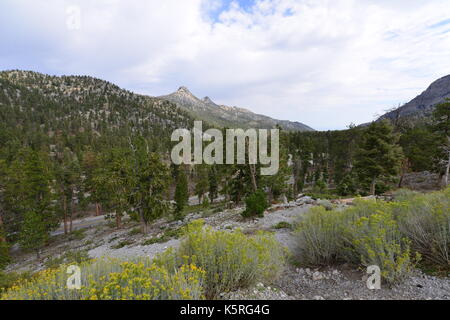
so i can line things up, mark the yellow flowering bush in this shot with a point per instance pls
(113, 280)
(376, 240)
(231, 260)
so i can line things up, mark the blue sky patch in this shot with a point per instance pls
(246, 5)
(440, 24)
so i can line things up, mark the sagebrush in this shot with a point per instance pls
(231, 260)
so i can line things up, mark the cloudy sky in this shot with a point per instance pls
(326, 63)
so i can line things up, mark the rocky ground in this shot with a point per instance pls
(346, 284)
(342, 283)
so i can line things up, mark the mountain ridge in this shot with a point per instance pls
(227, 116)
(422, 105)
(80, 87)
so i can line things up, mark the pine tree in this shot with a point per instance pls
(238, 184)
(34, 232)
(4, 247)
(148, 180)
(378, 154)
(110, 183)
(29, 198)
(90, 163)
(213, 183)
(201, 183)
(419, 145)
(181, 192)
(70, 186)
(277, 183)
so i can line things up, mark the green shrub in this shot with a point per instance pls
(219, 209)
(283, 225)
(425, 220)
(168, 234)
(77, 234)
(122, 244)
(206, 203)
(54, 262)
(319, 237)
(326, 204)
(113, 280)
(4, 254)
(404, 195)
(150, 241)
(231, 259)
(348, 185)
(255, 204)
(8, 279)
(76, 256)
(135, 231)
(69, 257)
(365, 234)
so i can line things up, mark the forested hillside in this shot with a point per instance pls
(55, 132)
(79, 111)
(347, 161)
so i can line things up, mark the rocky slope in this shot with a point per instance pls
(224, 116)
(422, 106)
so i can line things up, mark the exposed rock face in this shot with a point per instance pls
(421, 181)
(423, 105)
(224, 116)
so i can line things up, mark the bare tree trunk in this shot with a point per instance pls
(65, 215)
(118, 220)
(144, 228)
(253, 176)
(405, 167)
(447, 171)
(144, 225)
(372, 186)
(71, 216)
(2, 238)
(97, 209)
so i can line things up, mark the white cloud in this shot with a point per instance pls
(324, 63)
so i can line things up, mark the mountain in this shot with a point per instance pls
(79, 111)
(422, 106)
(225, 116)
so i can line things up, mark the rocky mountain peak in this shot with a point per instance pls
(207, 100)
(225, 116)
(184, 90)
